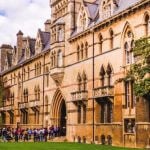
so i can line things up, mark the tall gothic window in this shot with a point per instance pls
(38, 93)
(52, 59)
(129, 95)
(60, 34)
(79, 113)
(147, 24)
(79, 80)
(28, 72)
(81, 51)
(109, 75)
(46, 104)
(47, 76)
(84, 81)
(111, 39)
(86, 49)
(128, 47)
(84, 113)
(35, 69)
(24, 73)
(24, 117)
(106, 112)
(11, 115)
(78, 53)
(35, 92)
(102, 76)
(25, 95)
(40, 68)
(100, 43)
(60, 58)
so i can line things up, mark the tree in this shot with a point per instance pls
(140, 70)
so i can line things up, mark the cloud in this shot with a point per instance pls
(24, 15)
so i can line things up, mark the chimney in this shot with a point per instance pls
(19, 39)
(47, 25)
(19, 44)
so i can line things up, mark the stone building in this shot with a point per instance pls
(68, 75)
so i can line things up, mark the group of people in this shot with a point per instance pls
(36, 134)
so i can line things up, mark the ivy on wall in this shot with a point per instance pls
(140, 70)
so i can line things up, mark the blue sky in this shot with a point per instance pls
(24, 15)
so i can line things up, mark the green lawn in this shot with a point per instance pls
(55, 146)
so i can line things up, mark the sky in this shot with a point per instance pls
(25, 15)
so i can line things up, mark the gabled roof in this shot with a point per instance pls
(124, 4)
(45, 36)
(32, 46)
(92, 8)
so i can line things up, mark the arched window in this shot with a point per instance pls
(79, 114)
(79, 80)
(111, 39)
(47, 76)
(35, 92)
(109, 75)
(19, 77)
(46, 104)
(128, 47)
(12, 98)
(14, 78)
(81, 51)
(86, 49)
(24, 74)
(102, 76)
(78, 53)
(147, 24)
(100, 43)
(84, 113)
(60, 34)
(11, 78)
(38, 93)
(25, 95)
(60, 58)
(84, 79)
(54, 59)
(28, 72)
(35, 69)
(40, 68)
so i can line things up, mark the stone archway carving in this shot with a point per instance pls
(58, 110)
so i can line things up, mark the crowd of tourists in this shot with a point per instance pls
(36, 134)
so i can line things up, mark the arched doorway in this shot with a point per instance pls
(58, 113)
(63, 119)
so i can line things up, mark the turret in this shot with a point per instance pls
(19, 44)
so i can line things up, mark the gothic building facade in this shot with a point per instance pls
(68, 76)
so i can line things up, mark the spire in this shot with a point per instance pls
(20, 33)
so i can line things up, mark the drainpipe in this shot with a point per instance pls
(74, 21)
(93, 73)
(43, 88)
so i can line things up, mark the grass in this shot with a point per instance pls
(56, 146)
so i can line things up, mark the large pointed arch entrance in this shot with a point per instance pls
(58, 112)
